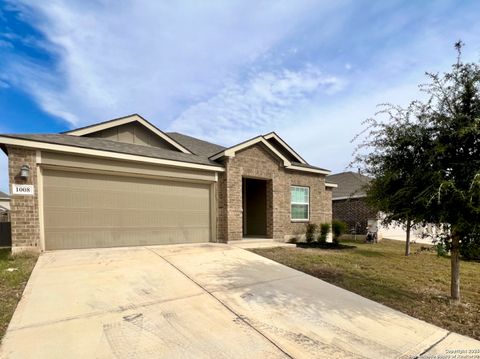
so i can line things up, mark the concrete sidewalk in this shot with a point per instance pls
(203, 301)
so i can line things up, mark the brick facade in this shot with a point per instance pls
(258, 162)
(253, 162)
(353, 211)
(24, 209)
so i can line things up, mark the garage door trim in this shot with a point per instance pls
(41, 195)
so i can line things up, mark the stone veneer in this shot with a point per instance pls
(258, 162)
(24, 209)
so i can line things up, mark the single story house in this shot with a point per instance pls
(124, 182)
(349, 205)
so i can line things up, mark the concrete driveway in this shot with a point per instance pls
(203, 301)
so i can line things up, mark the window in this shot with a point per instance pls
(300, 203)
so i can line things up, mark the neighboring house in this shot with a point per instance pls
(4, 200)
(124, 182)
(349, 205)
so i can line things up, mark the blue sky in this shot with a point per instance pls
(224, 70)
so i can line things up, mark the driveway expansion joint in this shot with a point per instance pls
(433, 345)
(239, 316)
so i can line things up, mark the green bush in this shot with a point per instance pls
(338, 228)
(310, 230)
(324, 229)
(441, 249)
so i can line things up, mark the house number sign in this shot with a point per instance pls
(23, 189)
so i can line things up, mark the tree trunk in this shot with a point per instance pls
(455, 268)
(407, 241)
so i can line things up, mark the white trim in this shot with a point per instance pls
(105, 154)
(230, 152)
(38, 157)
(123, 121)
(308, 169)
(284, 144)
(348, 197)
(41, 218)
(300, 203)
(331, 185)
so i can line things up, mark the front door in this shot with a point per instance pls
(254, 207)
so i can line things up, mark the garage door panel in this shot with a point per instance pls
(98, 238)
(84, 210)
(113, 218)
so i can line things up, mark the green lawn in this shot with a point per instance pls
(417, 285)
(12, 283)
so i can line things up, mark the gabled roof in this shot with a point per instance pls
(231, 151)
(187, 151)
(82, 131)
(350, 185)
(285, 146)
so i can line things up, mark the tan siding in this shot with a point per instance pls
(101, 164)
(132, 133)
(85, 210)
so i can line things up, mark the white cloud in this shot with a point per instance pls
(322, 132)
(145, 56)
(264, 101)
(226, 71)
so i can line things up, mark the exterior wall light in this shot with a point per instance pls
(25, 171)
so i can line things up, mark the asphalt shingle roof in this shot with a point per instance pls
(202, 150)
(199, 147)
(306, 165)
(350, 184)
(114, 146)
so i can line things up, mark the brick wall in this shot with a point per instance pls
(353, 211)
(253, 162)
(222, 224)
(24, 209)
(258, 162)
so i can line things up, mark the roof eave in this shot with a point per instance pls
(45, 145)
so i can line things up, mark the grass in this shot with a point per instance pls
(417, 285)
(12, 283)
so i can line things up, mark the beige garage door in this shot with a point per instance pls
(85, 210)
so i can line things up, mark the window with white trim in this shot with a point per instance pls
(299, 203)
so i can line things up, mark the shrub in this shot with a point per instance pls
(324, 229)
(310, 230)
(338, 228)
(441, 249)
(293, 239)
